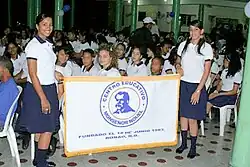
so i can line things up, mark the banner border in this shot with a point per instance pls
(119, 79)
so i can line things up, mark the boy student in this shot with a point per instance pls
(88, 68)
(156, 66)
(166, 47)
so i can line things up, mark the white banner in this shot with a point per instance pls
(109, 114)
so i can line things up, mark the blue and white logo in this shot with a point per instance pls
(123, 103)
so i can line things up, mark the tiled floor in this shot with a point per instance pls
(213, 151)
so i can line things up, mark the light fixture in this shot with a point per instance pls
(129, 1)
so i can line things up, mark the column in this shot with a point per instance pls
(241, 148)
(58, 20)
(30, 14)
(201, 13)
(9, 13)
(118, 15)
(134, 15)
(72, 14)
(37, 8)
(175, 21)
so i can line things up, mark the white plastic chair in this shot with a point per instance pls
(9, 131)
(225, 114)
(60, 132)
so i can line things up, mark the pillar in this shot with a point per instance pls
(58, 20)
(37, 8)
(134, 15)
(30, 14)
(241, 148)
(9, 13)
(118, 15)
(201, 14)
(175, 21)
(72, 14)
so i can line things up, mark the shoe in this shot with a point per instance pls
(52, 146)
(181, 149)
(51, 164)
(191, 155)
(25, 142)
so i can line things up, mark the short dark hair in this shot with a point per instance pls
(160, 59)
(5, 62)
(90, 51)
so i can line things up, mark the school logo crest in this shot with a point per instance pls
(123, 103)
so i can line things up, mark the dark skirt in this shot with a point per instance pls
(32, 119)
(221, 101)
(187, 110)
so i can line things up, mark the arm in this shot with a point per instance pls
(218, 88)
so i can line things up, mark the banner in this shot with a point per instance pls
(110, 114)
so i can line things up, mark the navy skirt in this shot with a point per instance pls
(31, 117)
(187, 110)
(221, 101)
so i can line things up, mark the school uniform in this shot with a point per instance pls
(122, 64)
(2, 49)
(167, 66)
(32, 119)
(91, 71)
(19, 64)
(227, 85)
(109, 72)
(193, 66)
(65, 69)
(76, 69)
(137, 69)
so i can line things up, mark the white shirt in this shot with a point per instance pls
(137, 70)
(78, 46)
(122, 64)
(110, 39)
(168, 66)
(66, 71)
(94, 46)
(42, 51)
(228, 82)
(76, 69)
(192, 62)
(93, 71)
(113, 72)
(242, 66)
(20, 64)
(2, 49)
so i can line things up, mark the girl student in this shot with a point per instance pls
(122, 62)
(88, 68)
(137, 67)
(67, 61)
(196, 56)
(171, 61)
(230, 80)
(108, 62)
(42, 117)
(14, 53)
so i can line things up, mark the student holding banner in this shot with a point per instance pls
(40, 113)
(196, 56)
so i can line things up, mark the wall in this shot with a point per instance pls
(234, 10)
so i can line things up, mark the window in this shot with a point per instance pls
(186, 19)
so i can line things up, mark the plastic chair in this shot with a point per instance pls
(225, 114)
(9, 131)
(60, 132)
